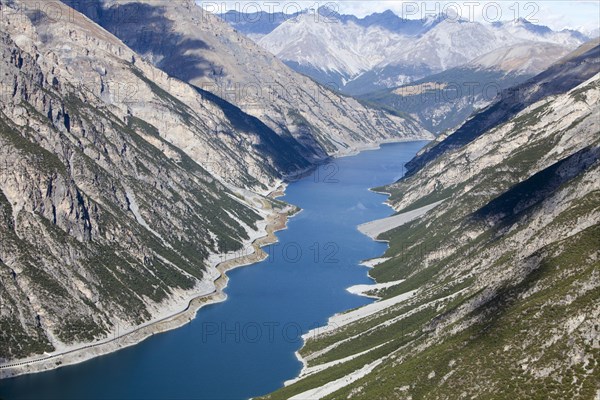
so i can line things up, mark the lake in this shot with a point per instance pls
(245, 346)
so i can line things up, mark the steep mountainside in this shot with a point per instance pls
(521, 59)
(563, 76)
(494, 293)
(195, 46)
(444, 101)
(118, 184)
(361, 58)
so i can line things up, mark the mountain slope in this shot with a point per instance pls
(257, 24)
(494, 292)
(522, 58)
(114, 200)
(561, 77)
(445, 100)
(198, 47)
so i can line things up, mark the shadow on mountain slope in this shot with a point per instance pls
(146, 29)
(513, 203)
(563, 76)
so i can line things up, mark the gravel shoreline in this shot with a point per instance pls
(276, 221)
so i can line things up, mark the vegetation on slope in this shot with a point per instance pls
(506, 271)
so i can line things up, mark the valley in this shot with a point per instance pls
(324, 203)
(253, 338)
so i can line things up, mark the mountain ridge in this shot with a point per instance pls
(201, 49)
(568, 72)
(342, 49)
(444, 101)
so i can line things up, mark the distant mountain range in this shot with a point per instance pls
(361, 55)
(264, 23)
(444, 100)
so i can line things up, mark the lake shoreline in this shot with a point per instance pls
(358, 290)
(186, 310)
(276, 221)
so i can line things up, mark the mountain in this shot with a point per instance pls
(336, 47)
(358, 57)
(521, 59)
(338, 53)
(443, 101)
(387, 20)
(492, 291)
(569, 72)
(593, 33)
(199, 48)
(108, 218)
(257, 24)
(523, 29)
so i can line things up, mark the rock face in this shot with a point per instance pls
(195, 46)
(494, 291)
(119, 184)
(108, 216)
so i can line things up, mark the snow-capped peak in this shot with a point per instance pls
(326, 41)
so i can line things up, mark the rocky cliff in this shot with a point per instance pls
(109, 212)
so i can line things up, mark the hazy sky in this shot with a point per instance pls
(555, 14)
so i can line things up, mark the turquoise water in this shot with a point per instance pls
(244, 347)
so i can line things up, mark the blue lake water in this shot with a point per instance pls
(245, 346)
